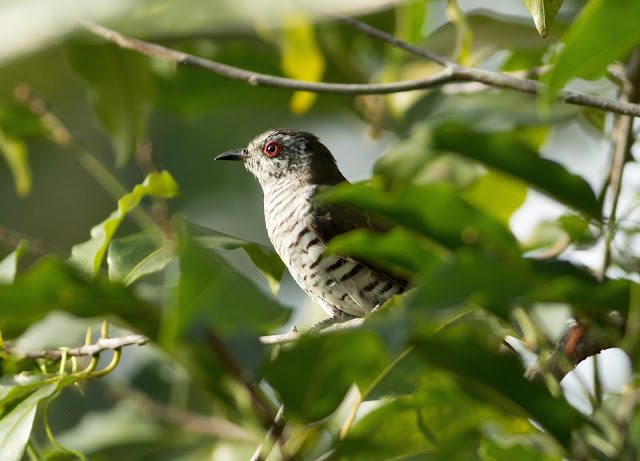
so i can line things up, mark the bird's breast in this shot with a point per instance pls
(338, 284)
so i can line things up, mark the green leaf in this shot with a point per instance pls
(15, 153)
(604, 32)
(88, 255)
(325, 367)
(301, 59)
(264, 258)
(213, 295)
(506, 152)
(15, 425)
(433, 210)
(54, 285)
(498, 379)
(121, 89)
(498, 194)
(472, 278)
(400, 249)
(134, 256)
(543, 13)
(131, 257)
(9, 265)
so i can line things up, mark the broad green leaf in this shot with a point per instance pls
(134, 256)
(325, 367)
(469, 279)
(131, 257)
(302, 59)
(433, 210)
(399, 248)
(464, 35)
(54, 285)
(543, 13)
(604, 31)
(496, 193)
(498, 379)
(506, 152)
(15, 426)
(15, 153)
(9, 265)
(264, 258)
(121, 89)
(213, 295)
(88, 255)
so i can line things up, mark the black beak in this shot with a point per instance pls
(238, 155)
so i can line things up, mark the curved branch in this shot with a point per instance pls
(294, 335)
(101, 345)
(451, 73)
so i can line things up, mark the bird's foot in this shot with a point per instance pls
(337, 318)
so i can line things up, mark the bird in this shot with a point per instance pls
(293, 167)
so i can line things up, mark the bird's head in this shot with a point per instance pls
(289, 155)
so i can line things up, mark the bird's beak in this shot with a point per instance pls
(238, 155)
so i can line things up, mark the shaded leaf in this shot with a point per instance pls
(9, 265)
(603, 32)
(15, 425)
(433, 210)
(212, 295)
(505, 152)
(121, 89)
(543, 13)
(15, 153)
(399, 249)
(313, 376)
(54, 285)
(88, 255)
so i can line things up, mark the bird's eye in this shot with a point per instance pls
(272, 148)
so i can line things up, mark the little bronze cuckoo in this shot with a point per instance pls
(293, 167)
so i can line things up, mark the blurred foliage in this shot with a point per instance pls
(90, 131)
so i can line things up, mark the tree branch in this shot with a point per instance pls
(101, 345)
(294, 335)
(451, 73)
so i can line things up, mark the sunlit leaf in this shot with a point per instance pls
(543, 13)
(9, 264)
(121, 89)
(15, 426)
(497, 194)
(88, 255)
(506, 152)
(15, 153)
(498, 379)
(301, 59)
(603, 32)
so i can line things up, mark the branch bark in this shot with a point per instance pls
(101, 345)
(452, 72)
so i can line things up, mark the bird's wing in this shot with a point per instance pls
(330, 220)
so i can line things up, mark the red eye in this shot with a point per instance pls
(272, 148)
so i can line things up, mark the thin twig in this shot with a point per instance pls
(294, 335)
(275, 425)
(187, 420)
(623, 142)
(101, 345)
(451, 73)
(264, 449)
